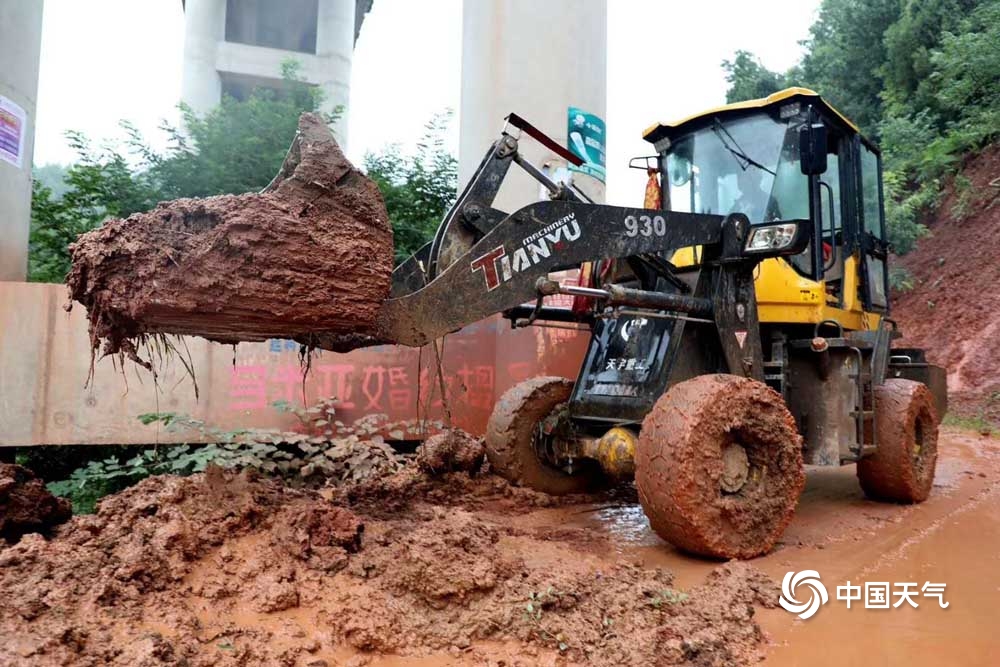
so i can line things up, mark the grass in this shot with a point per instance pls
(667, 596)
(977, 423)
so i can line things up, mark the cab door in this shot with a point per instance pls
(872, 243)
(834, 216)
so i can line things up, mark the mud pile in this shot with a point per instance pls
(953, 309)
(451, 451)
(227, 569)
(26, 506)
(310, 254)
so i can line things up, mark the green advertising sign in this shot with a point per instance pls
(586, 138)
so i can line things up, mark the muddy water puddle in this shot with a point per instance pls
(622, 532)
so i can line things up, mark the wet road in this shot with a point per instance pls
(952, 538)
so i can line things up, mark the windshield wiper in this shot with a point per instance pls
(733, 147)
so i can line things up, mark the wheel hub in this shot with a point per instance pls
(735, 467)
(918, 441)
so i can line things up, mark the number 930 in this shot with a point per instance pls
(645, 225)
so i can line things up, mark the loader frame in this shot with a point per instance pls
(668, 324)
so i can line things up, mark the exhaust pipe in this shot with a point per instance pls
(821, 347)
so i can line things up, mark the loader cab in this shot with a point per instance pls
(785, 157)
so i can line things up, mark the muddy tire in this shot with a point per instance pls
(719, 466)
(510, 436)
(906, 431)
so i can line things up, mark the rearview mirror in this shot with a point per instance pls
(679, 170)
(812, 149)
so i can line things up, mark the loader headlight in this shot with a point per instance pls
(771, 237)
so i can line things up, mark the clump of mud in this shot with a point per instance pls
(410, 486)
(451, 451)
(311, 254)
(26, 506)
(233, 569)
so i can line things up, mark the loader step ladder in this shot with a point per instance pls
(868, 376)
(864, 408)
(776, 369)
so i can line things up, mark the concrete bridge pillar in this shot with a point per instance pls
(20, 45)
(536, 59)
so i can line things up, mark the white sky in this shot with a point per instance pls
(106, 60)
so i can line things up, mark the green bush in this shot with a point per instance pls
(905, 140)
(418, 190)
(904, 211)
(325, 448)
(900, 279)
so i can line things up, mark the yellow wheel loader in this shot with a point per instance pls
(739, 323)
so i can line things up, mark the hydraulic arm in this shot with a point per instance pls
(501, 270)
(484, 261)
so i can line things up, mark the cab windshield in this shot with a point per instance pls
(748, 165)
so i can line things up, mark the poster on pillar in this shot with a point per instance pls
(586, 134)
(13, 120)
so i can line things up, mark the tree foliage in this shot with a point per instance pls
(920, 76)
(909, 45)
(417, 189)
(100, 185)
(844, 56)
(236, 147)
(53, 176)
(748, 78)
(966, 78)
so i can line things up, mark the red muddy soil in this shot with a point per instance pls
(26, 506)
(227, 569)
(310, 254)
(408, 570)
(954, 308)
